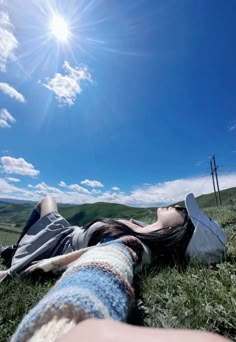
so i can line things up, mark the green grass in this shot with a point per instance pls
(17, 296)
(195, 297)
(7, 238)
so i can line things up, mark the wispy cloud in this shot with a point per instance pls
(74, 187)
(6, 118)
(44, 189)
(8, 42)
(12, 92)
(12, 179)
(199, 163)
(232, 126)
(78, 188)
(115, 188)
(6, 188)
(62, 184)
(92, 183)
(18, 166)
(68, 86)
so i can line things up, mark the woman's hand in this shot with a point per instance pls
(45, 265)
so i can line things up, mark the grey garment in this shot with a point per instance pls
(81, 237)
(49, 236)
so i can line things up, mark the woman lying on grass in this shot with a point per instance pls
(177, 235)
(98, 279)
(92, 298)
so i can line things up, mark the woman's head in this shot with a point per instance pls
(167, 244)
(171, 216)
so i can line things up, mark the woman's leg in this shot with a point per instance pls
(8, 252)
(45, 206)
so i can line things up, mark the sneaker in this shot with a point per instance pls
(7, 253)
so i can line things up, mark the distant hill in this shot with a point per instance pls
(14, 201)
(85, 213)
(17, 214)
(228, 197)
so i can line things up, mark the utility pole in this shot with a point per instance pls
(217, 183)
(214, 168)
(213, 181)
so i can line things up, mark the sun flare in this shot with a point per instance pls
(59, 28)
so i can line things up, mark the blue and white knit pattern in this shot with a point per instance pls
(97, 285)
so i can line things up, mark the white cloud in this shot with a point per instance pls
(62, 184)
(96, 192)
(232, 127)
(75, 187)
(6, 188)
(5, 115)
(18, 166)
(12, 179)
(6, 118)
(115, 188)
(78, 188)
(174, 191)
(153, 195)
(44, 189)
(12, 92)
(92, 183)
(67, 87)
(11, 191)
(4, 124)
(8, 42)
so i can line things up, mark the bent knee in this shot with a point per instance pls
(47, 198)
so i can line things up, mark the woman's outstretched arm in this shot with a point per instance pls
(104, 330)
(54, 263)
(99, 284)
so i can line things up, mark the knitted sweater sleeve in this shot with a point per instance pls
(96, 285)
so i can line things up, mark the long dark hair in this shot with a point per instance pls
(167, 245)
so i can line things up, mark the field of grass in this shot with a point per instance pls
(193, 297)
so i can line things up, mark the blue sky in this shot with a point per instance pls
(128, 108)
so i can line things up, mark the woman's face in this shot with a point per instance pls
(170, 217)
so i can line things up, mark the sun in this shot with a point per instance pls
(59, 28)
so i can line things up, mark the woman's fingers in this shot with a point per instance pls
(30, 269)
(35, 265)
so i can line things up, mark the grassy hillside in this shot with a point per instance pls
(228, 198)
(87, 212)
